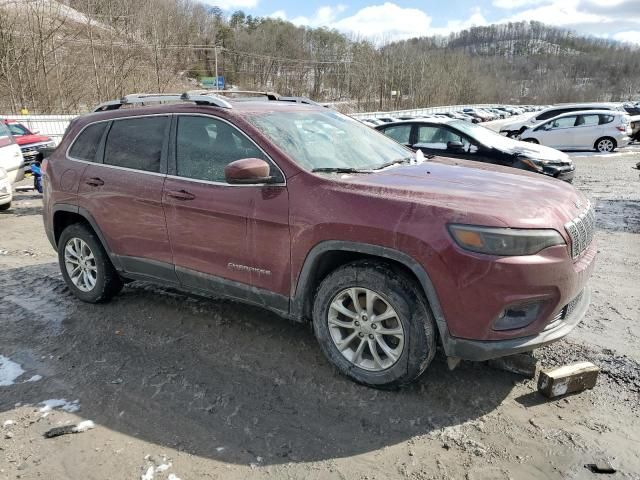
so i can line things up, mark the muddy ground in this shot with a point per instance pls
(187, 387)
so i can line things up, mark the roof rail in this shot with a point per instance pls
(198, 97)
(304, 100)
(269, 95)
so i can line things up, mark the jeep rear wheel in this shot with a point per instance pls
(373, 324)
(85, 265)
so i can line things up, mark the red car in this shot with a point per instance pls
(313, 215)
(30, 143)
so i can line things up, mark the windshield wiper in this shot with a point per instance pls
(339, 170)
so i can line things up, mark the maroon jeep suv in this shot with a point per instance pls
(319, 218)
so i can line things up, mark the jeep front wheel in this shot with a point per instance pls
(373, 324)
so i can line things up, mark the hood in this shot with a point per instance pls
(524, 119)
(535, 151)
(478, 193)
(24, 140)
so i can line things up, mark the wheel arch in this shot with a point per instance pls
(328, 255)
(65, 215)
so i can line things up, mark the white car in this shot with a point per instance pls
(602, 130)
(6, 194)
(517, 126)
(10, 156)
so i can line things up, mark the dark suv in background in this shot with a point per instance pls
(315, 216)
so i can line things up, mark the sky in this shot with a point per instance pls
(382, 20)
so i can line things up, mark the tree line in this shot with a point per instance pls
(67, 56)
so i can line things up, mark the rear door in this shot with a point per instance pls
(586, 131)
(225, 235)
(122, 191)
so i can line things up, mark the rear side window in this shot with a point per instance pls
(86, 145)
(5, 136)
(587, 120)
(136, 143)
(604, 119)
(400, 133)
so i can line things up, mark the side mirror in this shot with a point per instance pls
(455, 146)
(246, 171)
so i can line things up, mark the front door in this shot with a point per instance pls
(559, 133)
(224, 237)
(122, 190)
(440, 140)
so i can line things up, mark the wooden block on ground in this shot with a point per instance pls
(524, 364)
(568, 379)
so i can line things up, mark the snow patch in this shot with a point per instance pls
(61, 403)
(148, 475)
(8, 423)
(9, 371)
(84, 426)
(172, 476)
(35, 378)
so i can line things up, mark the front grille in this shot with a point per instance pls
(581, 230)
(565, 313)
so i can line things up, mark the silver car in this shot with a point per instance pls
(602, 130)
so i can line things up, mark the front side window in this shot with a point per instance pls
(327, 139)
(438, 137)
(564, 122)
(136, 143)
(400, 133)
(205, 146)
(86, 145)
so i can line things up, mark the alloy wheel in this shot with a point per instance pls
(80, 264)
(605, 145)
(365, 329)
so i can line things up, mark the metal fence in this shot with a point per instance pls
(52, 126)
(416, 112)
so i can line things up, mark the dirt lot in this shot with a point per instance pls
(194, 388)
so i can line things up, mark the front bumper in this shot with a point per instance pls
(479, 350)
(565, 173)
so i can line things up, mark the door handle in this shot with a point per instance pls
(95, 182)
(180, 195)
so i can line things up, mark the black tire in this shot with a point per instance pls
(406, 298)
(6, 206)
(531, 140)
(108, 283)
(612, 140)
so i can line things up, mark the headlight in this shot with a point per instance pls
(534, 163)
(504, 241)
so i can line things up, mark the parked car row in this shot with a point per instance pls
(469, 114)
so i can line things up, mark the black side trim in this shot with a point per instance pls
(148, 269)
(64, 207)
(232, 289)
(312, 261)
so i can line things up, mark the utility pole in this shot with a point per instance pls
(215, 52)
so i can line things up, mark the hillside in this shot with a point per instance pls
(65, 56)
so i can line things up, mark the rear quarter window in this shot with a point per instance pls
(86, 144)
(604, 119)
(5, 136)
(136, 143)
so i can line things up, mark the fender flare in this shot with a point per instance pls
(65, 207)
(311, 262)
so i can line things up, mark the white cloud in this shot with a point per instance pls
(388, 21)
(232, 4)
(514, 4)
(632, 36)
(280, 14)
(559, 13)
(324, 16)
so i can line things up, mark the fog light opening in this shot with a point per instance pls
(517, 316)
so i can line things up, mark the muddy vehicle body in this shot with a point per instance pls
(313, 215)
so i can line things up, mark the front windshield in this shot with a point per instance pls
(325, 139)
